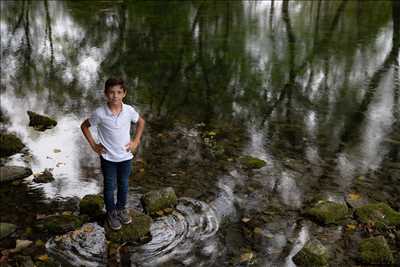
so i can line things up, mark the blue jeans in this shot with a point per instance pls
(115, 173)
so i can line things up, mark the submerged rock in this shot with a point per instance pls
(136, 231)
(12, 173)
(375, 250)
(355, 200)
(312, 254)
(9, 144)
(157, 200)
(380, 215)
(92, 205)
(58, 224)
(249, 162)
(85, 246)
(40, 122)
(44, 177)
(7, 229)
(327, 212)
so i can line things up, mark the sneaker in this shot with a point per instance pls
(124, 217)
(113, 221)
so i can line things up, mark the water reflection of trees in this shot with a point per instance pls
(195, 59)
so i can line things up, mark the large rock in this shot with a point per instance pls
(85, 246)
(92, 205)
(328, 212)
(136, 231)
(249, 162)
(12, 173)
(7, 229)
(375, 250)
(157, 200)
(380, 215)
(58, 224)
(44, 177)
(312, 254)
(40, 122)
(9, 144)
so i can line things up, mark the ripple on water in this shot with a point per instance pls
(182, 236)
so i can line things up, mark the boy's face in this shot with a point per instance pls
(115, 94)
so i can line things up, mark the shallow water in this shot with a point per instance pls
(314, 86)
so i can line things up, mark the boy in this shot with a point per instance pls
(113, 121)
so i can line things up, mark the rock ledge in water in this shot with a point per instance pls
(40, 122)
(380, 215)
(249, 162)
(44, 177)
(136, 231)
(312, 254)
(92, 205)
(327, 212)
(58, 224)
(375, 250)
(85, 246)
(6, 229)
(158, 200)
(9, 144)
(12, 173)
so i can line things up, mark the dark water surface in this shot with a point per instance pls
(312, 87)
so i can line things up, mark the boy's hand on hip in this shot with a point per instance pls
(99, 149)
(132, 146)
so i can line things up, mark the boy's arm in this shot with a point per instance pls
(98, 148)
(138, 135)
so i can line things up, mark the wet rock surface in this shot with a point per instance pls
(7, 229)
(249, 162)
(85, 246)
(158, 200)
(9, 144)
(328, 212)
(58, 224)
(44, 177)
(40, 122)
(92, 205)
(375, 250)
(12, 173)
(379, 215)
(135, 232)
(312, 254)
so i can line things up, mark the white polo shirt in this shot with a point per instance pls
(114, 131)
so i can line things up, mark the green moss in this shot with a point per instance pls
(157, 200)
(313, 254)
(250, 162)
(59, 224)
(9, 144)
(327, 212)
(92, 205)
(7, 229)
(134, 232)
(380, 215)
(40, 122)
(375, 250)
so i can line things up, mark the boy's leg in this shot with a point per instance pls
(109, 170)
(123, 173)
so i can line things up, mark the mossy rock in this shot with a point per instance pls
(249, 162)
(9, 144)
(375, 250)
(157, 200)
(380, 215)
(44, 177)
(7, 229)
(40, 122)
(137, 231)
(92, 205)
(59, 224)
(312, 254)
(12, 173)
(328, 212)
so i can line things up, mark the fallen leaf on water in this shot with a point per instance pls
(246, 220)
(67, 212)
(351, 227)
(248, 256)
(258, 231)
(168, 210)
(354, 196)
(160, 212)
(44, 257)
(56, 150)
(40, 216)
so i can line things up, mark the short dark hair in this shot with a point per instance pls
(113, 82)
